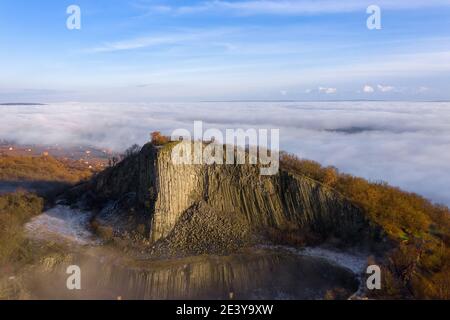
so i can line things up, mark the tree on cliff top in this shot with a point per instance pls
(158, 139)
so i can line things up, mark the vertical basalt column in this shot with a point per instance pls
(178, 187)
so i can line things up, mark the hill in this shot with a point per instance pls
(41, 168)
(200, 209)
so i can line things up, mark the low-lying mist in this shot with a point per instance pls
(404, 143)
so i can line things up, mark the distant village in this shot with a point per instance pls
(90, 157)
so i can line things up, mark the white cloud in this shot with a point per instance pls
(327, 90)
(368, 89)
(383, 88)
(178, 37)
(292, 7)
(418, 64)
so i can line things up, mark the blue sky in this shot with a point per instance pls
(224, 50)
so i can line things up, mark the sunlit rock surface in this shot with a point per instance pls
(161, 192)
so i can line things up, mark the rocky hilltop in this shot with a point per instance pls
(208, 207)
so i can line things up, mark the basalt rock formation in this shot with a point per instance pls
(211, 206)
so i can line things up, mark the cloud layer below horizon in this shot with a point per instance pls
(404, 143)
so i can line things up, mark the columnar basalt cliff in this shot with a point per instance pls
(164, 195)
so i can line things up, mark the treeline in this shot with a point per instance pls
(418, 264)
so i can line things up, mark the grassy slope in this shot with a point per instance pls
(15, 210)
(44, 168)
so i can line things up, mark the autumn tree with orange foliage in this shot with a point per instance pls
(158, 139)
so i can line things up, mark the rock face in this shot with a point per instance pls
(163, 193)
